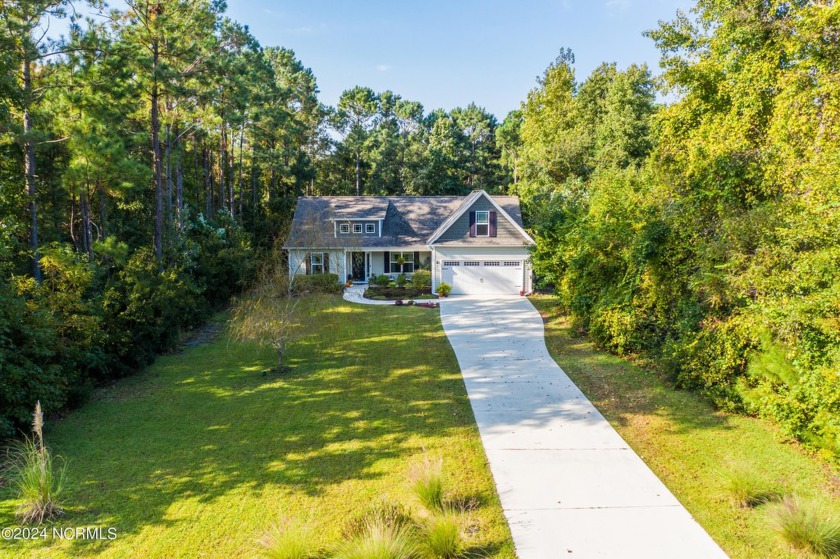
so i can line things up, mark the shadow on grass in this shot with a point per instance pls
(642, 392)
(205, 422)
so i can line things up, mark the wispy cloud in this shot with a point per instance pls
(303, 30)
(617, 6)
(383, 67)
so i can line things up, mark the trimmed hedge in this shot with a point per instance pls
(396, 292)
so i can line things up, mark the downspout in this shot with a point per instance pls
(434, 269)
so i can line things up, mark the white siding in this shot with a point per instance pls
(481, 253)
(298, 264)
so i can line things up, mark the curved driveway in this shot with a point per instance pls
(569, 484)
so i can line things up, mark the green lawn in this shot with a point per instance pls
(689, 445)
(200, 454)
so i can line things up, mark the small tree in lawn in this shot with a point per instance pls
(267, 313)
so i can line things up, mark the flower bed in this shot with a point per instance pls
(397, 293)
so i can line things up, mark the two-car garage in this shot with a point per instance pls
(480, 277)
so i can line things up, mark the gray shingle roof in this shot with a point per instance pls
(408, 220)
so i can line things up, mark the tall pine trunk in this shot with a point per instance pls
(170, 183)
(103, 231)
(208, 185)
(156, 160)
(222, 165)
(241, 139)
(179, 183)
(87, 235)
(358, 173)
(29, 167)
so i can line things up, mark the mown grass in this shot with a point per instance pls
(692, 447)
(201, 454)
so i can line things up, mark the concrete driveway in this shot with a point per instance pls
(569, 484)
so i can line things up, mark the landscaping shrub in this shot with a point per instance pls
(427, 482)
(746, 488)
(384, 512)
(383, 280)
(444, 289)
(288, 539)
(395, 292)
(379, 540)
(401, 280)
(442, 536)
(421, 279)
(36, 476)
(317, 283)
(806, 527)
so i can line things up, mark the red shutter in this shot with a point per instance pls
(492, 224)
(472, 224)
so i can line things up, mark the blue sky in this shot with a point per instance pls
(448, 53)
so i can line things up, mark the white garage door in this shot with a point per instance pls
(483, 277)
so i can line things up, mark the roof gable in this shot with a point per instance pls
(475, 197)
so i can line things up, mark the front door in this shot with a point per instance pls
(358, 266)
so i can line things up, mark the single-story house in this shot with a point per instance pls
(475, 243)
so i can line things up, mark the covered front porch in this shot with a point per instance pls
(361, 264)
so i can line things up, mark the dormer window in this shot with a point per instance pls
(357, 228)
(344, 228)
(482, 224)
(370, 228)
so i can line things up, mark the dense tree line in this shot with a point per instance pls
(703, 234)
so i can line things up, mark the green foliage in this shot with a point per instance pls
(380, 541)
(401, 280)
(288, 539)
(427, 482)
(442, 536)
(806, 527)
(747, 488)
(395, 292)
(317, 283)
(703, 234)
(29, 366)
(383, 512)
(383, 280)
(422, 279)
(444, 289)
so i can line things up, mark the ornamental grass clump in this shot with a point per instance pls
(35, 473)
(289, 540)
(807, 527)
(748, 489)
(385, 512)
(442, 536)
(427, 483)
(379, 540)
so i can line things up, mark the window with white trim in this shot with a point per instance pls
(370, 228)
(344, 228)
(512, 264)
(492, 263)
(316, 263)
(482, 224)
(357, 228)
(402, 262)
(451, 263)
(472, 263)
